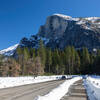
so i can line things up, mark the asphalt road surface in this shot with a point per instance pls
(28, 92)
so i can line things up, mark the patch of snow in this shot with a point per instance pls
(60, 91)
(93, 19)
(81, 22)
(47, 41)
(98, 23)
(9, 51)
(6, 82)
(76, 19)
(88, 28)
(98, 26)
(95, 50)
(64, 16)
(67, 17)
(92, 86)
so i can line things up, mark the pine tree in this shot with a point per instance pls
(96, 64)
(55, 61)
(19, 51)
(77, 63)
(62, 62)
(26, 54)
(72, 60)
(92, 66)
(68, 59)
(48, 60)
(32, 53)
(41, 53)
(57, 69)
(85, 61)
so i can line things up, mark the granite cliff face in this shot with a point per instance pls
(60, 31)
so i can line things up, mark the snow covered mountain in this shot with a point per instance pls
(9, 51)
(60, 31)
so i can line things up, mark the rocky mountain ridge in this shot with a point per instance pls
(60, 31)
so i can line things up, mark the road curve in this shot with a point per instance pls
(28, 92)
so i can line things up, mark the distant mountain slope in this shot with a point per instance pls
(9, 51)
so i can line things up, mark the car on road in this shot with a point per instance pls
(63, 77)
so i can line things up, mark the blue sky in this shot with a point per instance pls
(19, 18)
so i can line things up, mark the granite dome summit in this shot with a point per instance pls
(64, 30)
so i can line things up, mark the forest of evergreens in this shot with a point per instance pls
(44, 61)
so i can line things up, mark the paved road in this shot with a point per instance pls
(76, 92)
(28, 92)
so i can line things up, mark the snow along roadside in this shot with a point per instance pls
(92, 86)
(60, 91)
(6, 82)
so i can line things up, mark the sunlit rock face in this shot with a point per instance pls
(62, 30)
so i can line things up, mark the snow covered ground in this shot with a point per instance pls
(92, 84)
(60, 91)
(6, 82)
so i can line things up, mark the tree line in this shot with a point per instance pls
(45, 61)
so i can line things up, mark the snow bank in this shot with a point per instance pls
(93, 88)
(60, 91)
(6, 82)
